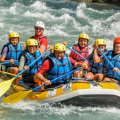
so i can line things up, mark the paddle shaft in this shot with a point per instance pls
(31, 64)
(105, 57)
(108, 60)
(7, 62)
(77, 53)
(7, 73)
(56, 78)
(93, 82)
(75, 78)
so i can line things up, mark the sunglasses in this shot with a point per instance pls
(38, 28)
(33, 46)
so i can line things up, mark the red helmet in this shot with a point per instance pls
(116, 40)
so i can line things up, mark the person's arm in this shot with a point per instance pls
(75, 63)
(3, 56)
(45, 67)
(21, 63)
(84, 64)
(96, 58)
(40, 77)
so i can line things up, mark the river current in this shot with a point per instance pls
(64, 21)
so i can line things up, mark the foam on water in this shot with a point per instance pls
(80, 11)
(38, 108)
(62, 23)
(38, 5)
(99, 25)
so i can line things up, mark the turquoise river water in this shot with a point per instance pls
(64, 21)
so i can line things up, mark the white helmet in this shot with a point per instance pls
(40, 24)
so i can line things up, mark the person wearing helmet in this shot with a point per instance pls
(10, 52)
(96, 68)
(42, 40)
(82, 48)
(55, 65)
(113, 74)
(26, 58)
(115, 56)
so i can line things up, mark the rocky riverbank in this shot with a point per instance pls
(100, 1)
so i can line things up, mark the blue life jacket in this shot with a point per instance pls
(115, 62)
(97, 67)
(29, 59)
(59, 68)
(13, 52)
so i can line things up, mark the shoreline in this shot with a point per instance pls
(103, 5)
(112, 2)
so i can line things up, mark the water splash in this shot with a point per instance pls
(38, 108)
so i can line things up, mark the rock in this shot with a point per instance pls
(86, 1)
(99, 1)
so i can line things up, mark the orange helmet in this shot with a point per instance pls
(116, 40)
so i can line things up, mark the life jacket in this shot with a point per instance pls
(115, 62)
(29, 59)
(39, 39)
(59, 68)
(83, 52)
(13, 52)
(97, 67)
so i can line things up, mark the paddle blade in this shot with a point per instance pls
(14, 98)
(4, 86)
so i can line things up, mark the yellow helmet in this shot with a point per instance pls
(100, 42)
(31, 42)
(13, 34)
(59, 47)
(84, 35)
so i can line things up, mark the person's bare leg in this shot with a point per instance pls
(90, 76)
(14, 70)
(110, 79)
(98, 77)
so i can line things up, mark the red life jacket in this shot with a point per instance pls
(39, 38)
(83, 52)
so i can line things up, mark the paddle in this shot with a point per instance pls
(8, 62)
(4, 86)
(93, 82)
(8, 73)
(22, 94)
(77, 53)
(107, 60)
(75, 78)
